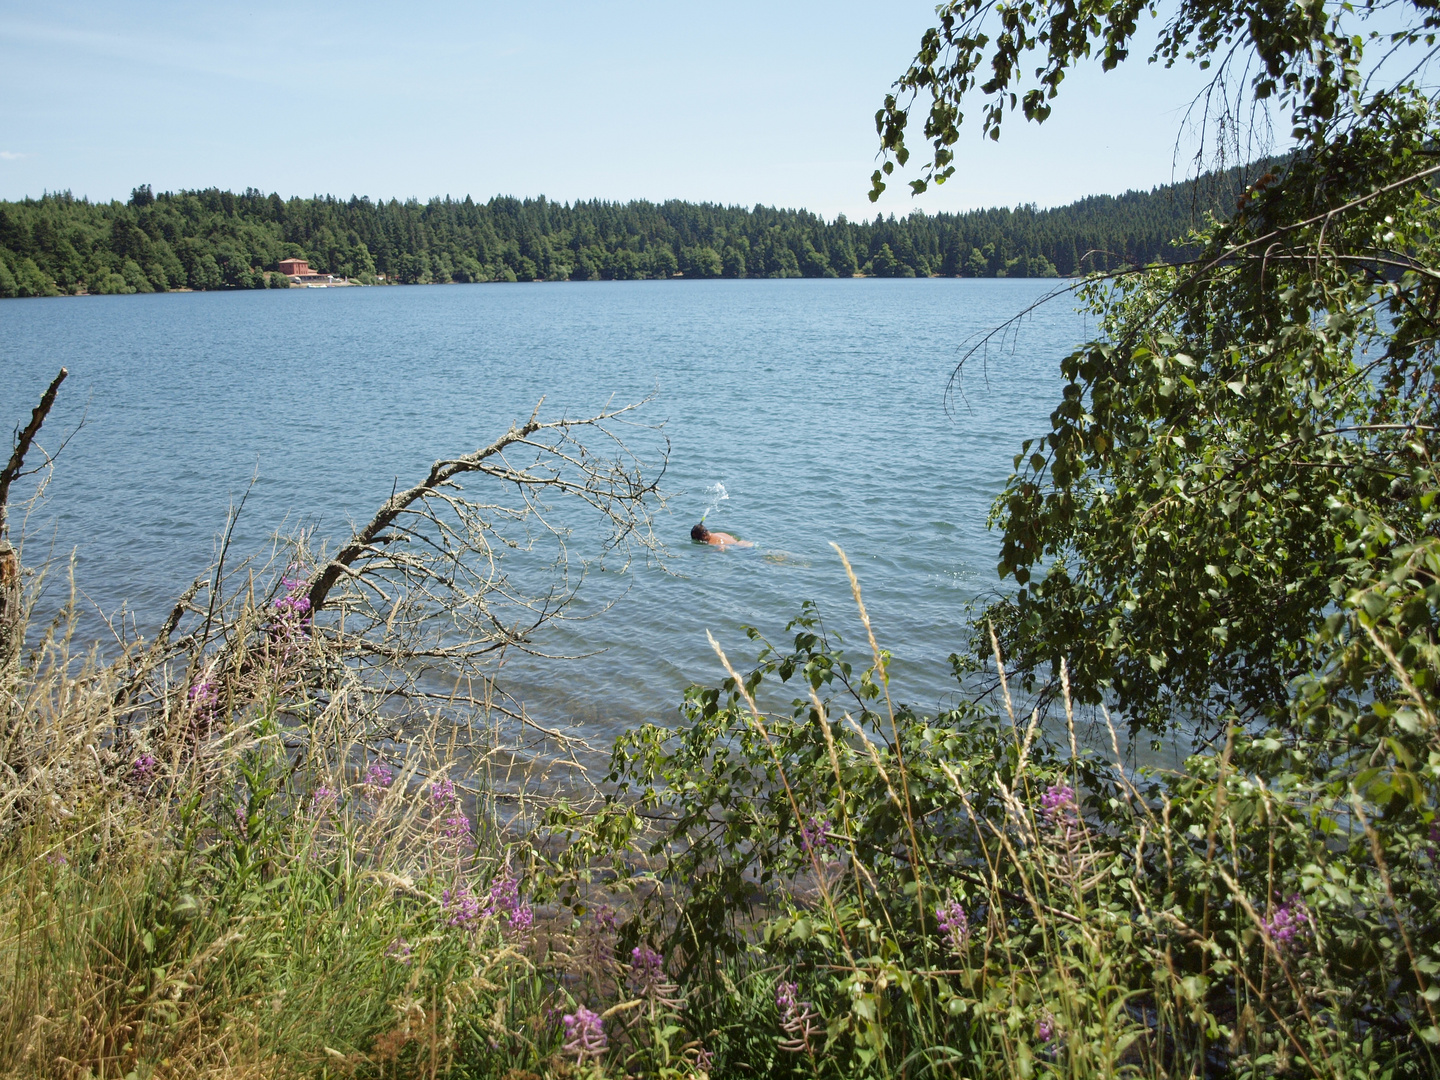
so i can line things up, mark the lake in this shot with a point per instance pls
(820, 405)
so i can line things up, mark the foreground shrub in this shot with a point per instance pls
(985, 893)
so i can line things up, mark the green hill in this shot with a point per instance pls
(216, 239)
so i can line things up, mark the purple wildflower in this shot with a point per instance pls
(378, 778)
(202, 695)
(815, 834)
(457, 827)
(647, 975)
(142, 769)
(584, 1035)
(57, 858)
(597, 942)
(785, 998)
(1045, 1028)
(295, 604)
(292, 614)
(462, 908)
(505, 902)
(1287, 922)
(399, 950)
(646, 963)
(442, 791)
(1058, 806)
(954, 924)
(796, 1018)
(321, 799)
(295, 608)
(504, 894)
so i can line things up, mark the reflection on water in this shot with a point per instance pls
(817, 407)
(779, 557)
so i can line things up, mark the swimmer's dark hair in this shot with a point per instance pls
(699, 532)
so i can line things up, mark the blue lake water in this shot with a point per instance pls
(819, 404)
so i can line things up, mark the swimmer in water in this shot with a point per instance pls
(702, 535)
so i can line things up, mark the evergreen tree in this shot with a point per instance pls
(74, 245)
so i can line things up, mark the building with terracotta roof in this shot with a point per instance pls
(298, 270)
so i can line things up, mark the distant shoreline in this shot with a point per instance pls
(212, 240)
(82, 295)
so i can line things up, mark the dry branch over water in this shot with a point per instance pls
(286, 836)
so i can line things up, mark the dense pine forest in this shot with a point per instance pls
(216, 239)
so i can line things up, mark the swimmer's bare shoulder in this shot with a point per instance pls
(726, 540)
(702, 535)
(720, 539)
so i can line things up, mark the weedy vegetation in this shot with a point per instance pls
(254, 846)
(301, 832)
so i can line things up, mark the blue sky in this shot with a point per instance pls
(738, 103)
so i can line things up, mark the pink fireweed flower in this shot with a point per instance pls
(1058, 806)
(142, 769)
(1288, 922)
(399, 951)
(646, 964)
(815, 834)
(461, 907)
(954, 925)
(597, 941)
(442, 791)
(322, 798)
(202, 695)
(505, 903)
(203, 701)
(457, 827)
(785, 999)
(1045, 1028)
(584, 1035)
(294, 606)
(292, 612)
(647, 976)
(378, 778)
(504, 893)
(521, 919)
(796, 1018)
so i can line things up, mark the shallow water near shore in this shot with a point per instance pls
(819, 404)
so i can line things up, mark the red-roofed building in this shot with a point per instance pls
(298, 271)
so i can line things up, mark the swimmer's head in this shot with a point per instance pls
(699, 532)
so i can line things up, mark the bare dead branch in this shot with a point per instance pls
(23, 440)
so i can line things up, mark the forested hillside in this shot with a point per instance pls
(220, 240)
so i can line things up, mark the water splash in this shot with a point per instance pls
(717, 494)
